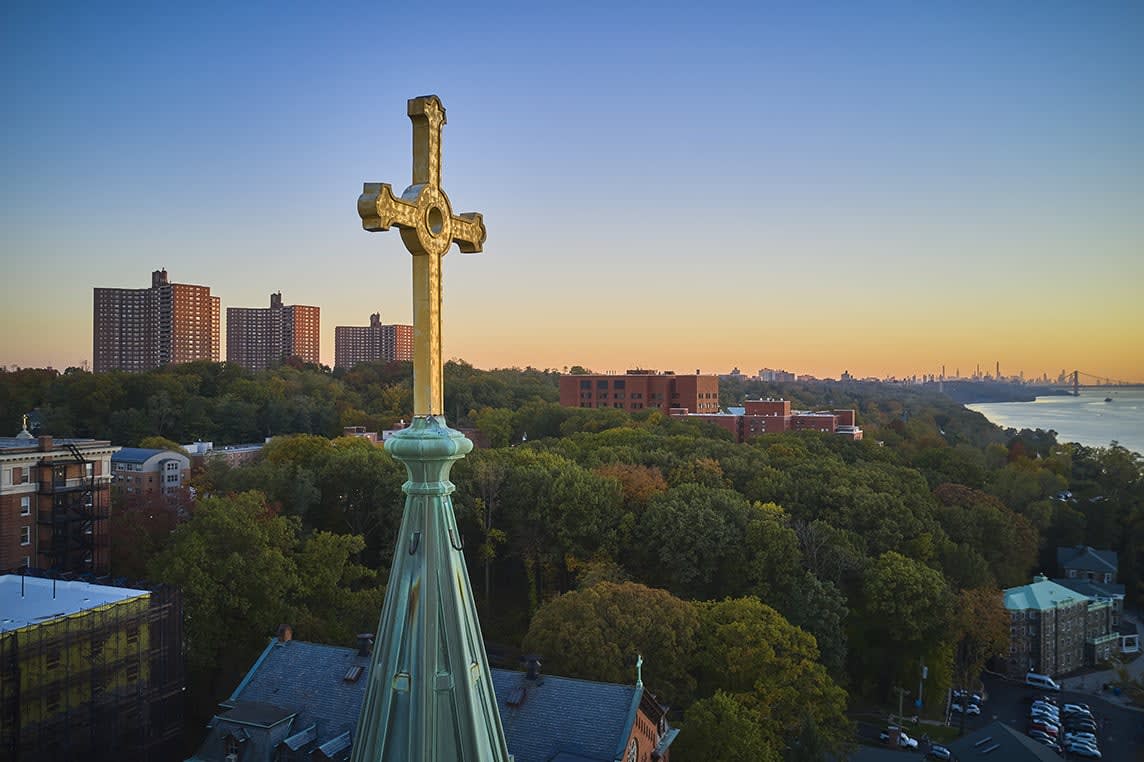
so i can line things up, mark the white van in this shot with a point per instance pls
(1041, 681)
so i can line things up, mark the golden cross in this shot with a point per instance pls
(428, 228)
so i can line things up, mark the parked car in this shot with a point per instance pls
(955, 707)
(1088, 738)
(1077, 708)
(1044, 738)
(973, 709)
(1045, 727)
(1081, 726)
(903, 740)
(1042, 704)
(939, 752)
(1083, 750)
(1038, 715)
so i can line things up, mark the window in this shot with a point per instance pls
(27, 562)
(25, 535)
(26, 505)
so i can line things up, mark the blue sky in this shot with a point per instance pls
(879, 187)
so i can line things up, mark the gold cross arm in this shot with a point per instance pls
(428, 228)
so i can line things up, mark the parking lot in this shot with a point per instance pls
(1121, 730)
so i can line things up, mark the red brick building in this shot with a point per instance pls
(54, 503)
(642, 390)
(258, 338)
(138, 329)
(771, 416)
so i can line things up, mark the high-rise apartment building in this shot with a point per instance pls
(258, 338)
(138, 329)
(357, 344)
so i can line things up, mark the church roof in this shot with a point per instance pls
(551, 718)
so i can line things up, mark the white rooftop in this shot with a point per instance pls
(26, 600)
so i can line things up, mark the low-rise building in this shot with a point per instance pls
(89, 671)
(775, 416)
(640, 389)
(1085, 563)
(54, 503)
(1054, 630)
(138, 472)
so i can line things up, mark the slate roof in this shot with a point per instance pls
(1042, 595)
(135, 455)
(558, 718)
(997, 742)
(307, 678)
(1084, 558)
(1092, 589)
(564, 718)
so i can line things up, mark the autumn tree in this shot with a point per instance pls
(596, 633)
(770, 667)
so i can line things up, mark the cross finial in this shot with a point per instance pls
(639, 670)
(428, 228)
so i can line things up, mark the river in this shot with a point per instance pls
(1086, 419)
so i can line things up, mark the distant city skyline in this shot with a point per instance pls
(880, 189)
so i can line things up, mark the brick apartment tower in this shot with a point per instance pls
(258, 338)
(138, 329)
(358, 344)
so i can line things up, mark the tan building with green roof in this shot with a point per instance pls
(1054, 630)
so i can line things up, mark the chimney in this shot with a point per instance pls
(364, 643)
(46, 443)
(533, 662)
(285, 633)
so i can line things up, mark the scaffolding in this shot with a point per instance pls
(105, 683)
(73, 508)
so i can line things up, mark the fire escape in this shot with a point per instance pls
(73, 507)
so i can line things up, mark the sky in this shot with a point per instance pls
(884, 188)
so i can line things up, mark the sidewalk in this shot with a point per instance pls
(1093, 683)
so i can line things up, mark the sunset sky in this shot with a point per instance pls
(876, 187)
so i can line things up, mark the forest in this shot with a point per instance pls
(771, 587)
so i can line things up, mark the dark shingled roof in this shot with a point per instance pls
(553, 718)
(997, 742)
(1092, 589)
(1084, 558)
(582, 719)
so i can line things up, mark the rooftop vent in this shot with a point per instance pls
(983, 741)
(994, 747)
(364, 643)
(516, 697)
(353, 673)
(533, 666)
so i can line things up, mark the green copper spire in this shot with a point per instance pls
(430, 694)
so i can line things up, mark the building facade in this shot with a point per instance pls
(54, 499)
(258, 338)
(138, 329)
(1054, 630)
(372, 343)
(771, 416)
(639, 390)
(89, 671)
